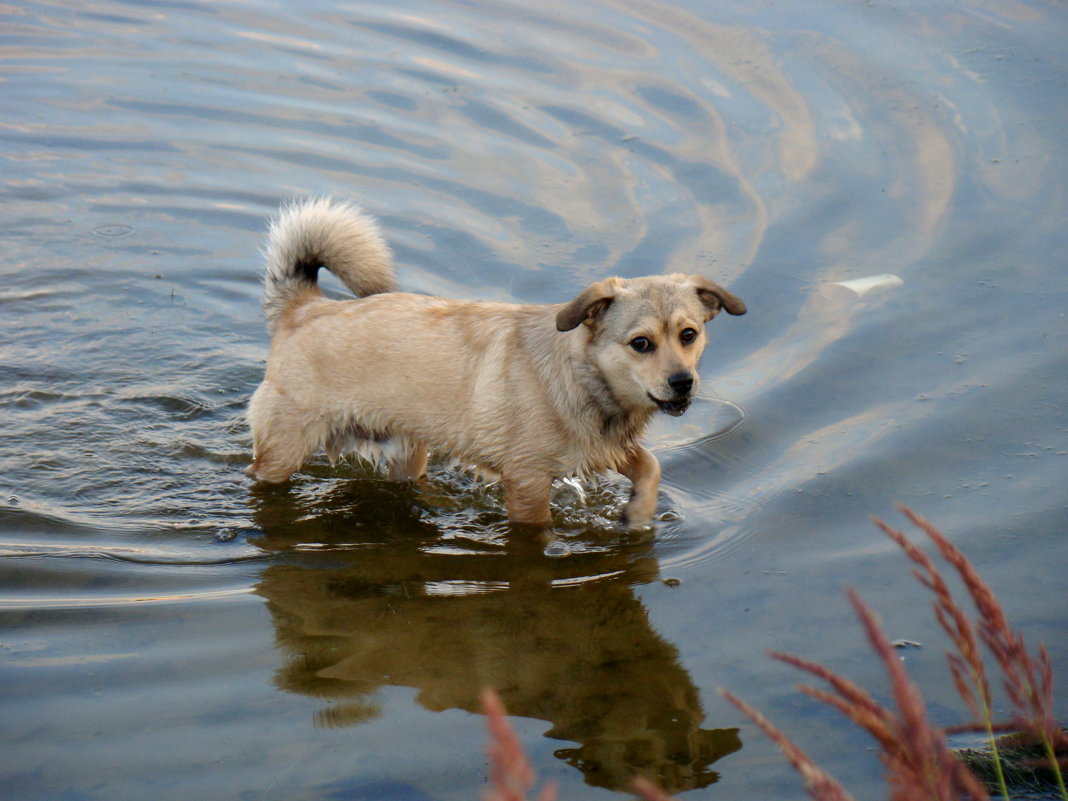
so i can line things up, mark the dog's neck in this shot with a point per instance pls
(620, 426)
(589, 398)
(626, 429)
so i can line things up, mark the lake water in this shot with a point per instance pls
(169, 632)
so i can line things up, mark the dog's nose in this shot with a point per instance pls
(682, 383)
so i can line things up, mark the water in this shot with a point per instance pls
(168, 631)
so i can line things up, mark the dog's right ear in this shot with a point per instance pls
(588, 306)
(716, 297)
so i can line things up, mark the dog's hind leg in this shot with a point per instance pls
(527, 498)
(642, 468)
(410, 466)
(280, 445)
(279, 454)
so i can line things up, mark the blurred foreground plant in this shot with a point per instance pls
(1028, 680)
(919, 763)
(511, 775)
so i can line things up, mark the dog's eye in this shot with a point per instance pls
(642, 345)
(688, 336)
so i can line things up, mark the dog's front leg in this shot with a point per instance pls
(527, 498)
(643, 470)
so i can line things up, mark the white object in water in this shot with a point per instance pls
(862, 286)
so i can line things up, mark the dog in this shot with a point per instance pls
(525, 393)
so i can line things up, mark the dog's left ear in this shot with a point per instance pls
(588, 306)
(716, 297)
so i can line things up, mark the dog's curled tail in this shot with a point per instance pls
(323, 232)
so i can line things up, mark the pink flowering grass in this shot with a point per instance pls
(1026, 678)
(919, 763)
(511, 775)
(818, 784)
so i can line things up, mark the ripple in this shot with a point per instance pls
(689, 552)
(94, 601)
(113, 231)
(65, 572)
(18, 514)
(153, 555)
(709, 418)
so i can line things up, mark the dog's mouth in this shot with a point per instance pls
(672, 407)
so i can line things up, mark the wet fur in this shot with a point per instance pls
(528, 393)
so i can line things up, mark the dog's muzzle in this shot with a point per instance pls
(672, 407)
(682, 385)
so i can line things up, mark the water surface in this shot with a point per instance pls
(168, 631)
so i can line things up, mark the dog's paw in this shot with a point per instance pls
(636, 517)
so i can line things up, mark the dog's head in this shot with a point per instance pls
(647, 335)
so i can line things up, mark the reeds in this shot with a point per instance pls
(918, 761)
(919, 764)
(818, 783)
(965, 662)
(511, 776)
(1027, 679)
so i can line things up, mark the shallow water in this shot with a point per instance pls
(167, 631)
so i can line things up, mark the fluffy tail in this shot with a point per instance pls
(329, 233)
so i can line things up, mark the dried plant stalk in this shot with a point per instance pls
(920, 763)
(851, 700)
(511, 775)
(966, 664)
(1028, 680)
(649, 791)
(819, 785)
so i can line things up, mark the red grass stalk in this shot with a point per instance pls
(852, 700)
(819, 785)
(1028, 680)
(920, 765)
(511, 775)
(966, 665)
(649, 791)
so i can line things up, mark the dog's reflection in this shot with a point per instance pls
(561, 640)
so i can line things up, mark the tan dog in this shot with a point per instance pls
(527, 393)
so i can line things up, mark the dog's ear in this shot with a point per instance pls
(716, 297)
(588, 306)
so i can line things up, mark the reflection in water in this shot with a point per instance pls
(562, 640)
